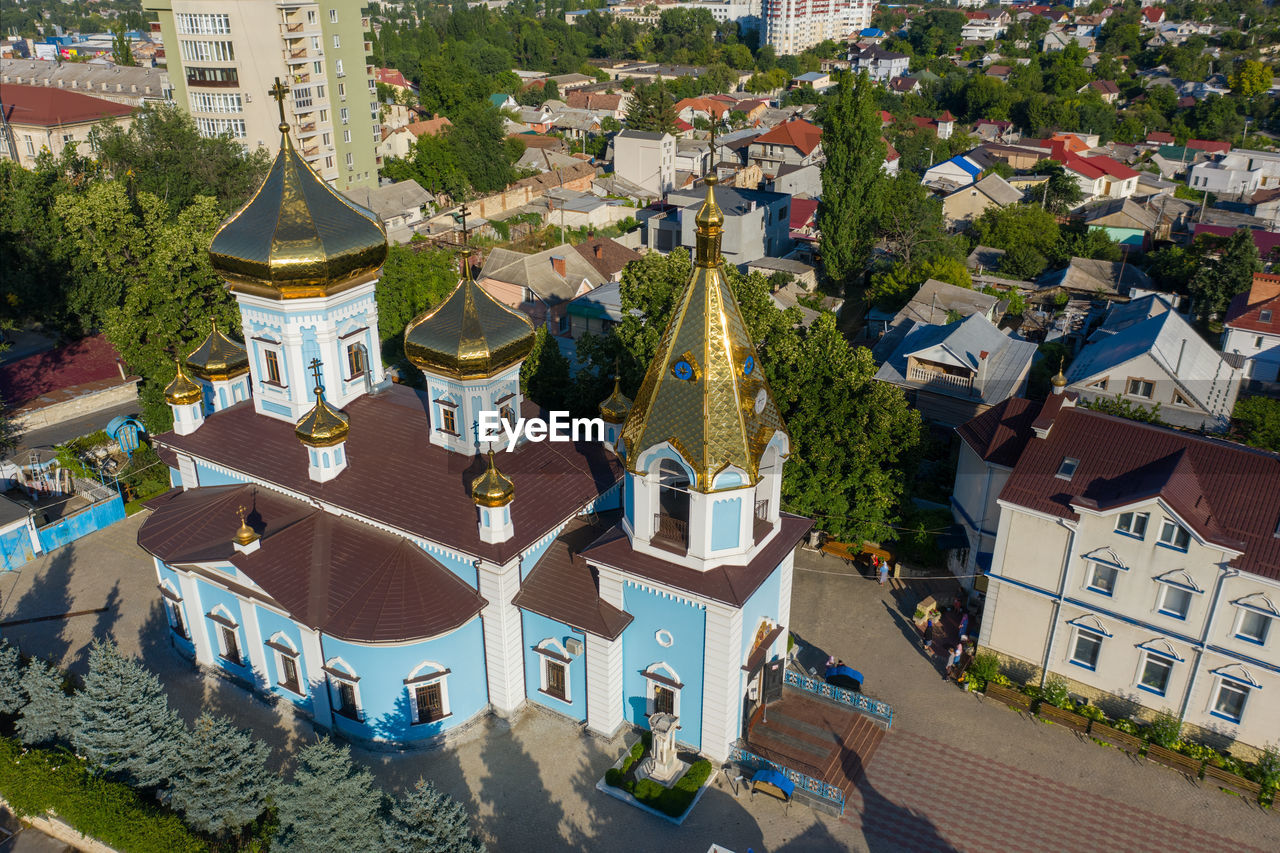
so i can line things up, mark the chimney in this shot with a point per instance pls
(557, 264)
(1177, 368)
(599, 250)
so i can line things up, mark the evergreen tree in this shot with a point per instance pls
(852, 181)
(1220, 278)
(123, 722)
(11, 696)
(221, 783)
(331, 807)
(50, 713)
(651, 109)
(544, 376)
(427, 820)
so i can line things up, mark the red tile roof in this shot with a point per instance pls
(1161, 137)
(797, 133)
(394, 471)
(87, 361)
(705, 105)
(1106, 87)
(429, 127)
(607, 255)
(562, 587)
(45, 106)
(1154, 14)
(1209, 146)
(1266, 241)
(999, 434)
(1246, 308)
(1111, 168)
(802, 212)
(392, 77)
(890, 153)
(339, 575)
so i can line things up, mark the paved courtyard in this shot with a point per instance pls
(953, 774)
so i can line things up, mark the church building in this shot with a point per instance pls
(351, 546)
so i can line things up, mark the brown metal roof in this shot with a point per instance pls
(395, 476)
(1230, 494)
(339, 575)
(1000, 433)
(563, 587)
(730, 584)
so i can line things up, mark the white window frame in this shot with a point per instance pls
(1076, 636)
(174, 611)
(333, 16)
(552, 650)
(1134, 518)
(340, 672)
(1168, 588)
(1091, 579)
(1227, 682)
(1244, 612)
(279, 641)
(435, 674)
(1147, 656)
(337, 42)
(665, 671)
(1179, 531)
(220, 615)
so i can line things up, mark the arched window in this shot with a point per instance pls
(346, 689)
(662, 689)
(228, 635)
(672, 521)
(173, 609)
(554, 670)
(286, 660)
(428, 687)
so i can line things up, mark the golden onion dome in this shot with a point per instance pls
(218, 357)
(1059, 380)
(492, 488)
(297, 237)
(618, 405)
(323, 426)
(244, 534)
(470, 335)
(182, 391)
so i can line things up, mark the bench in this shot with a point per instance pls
(1229, 781)
(1069, 719)
(1175, 760)
(1131, 744)
(1013, 698)
(762, 787)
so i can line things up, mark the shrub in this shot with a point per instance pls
(984, 667)
(1093, 713)
(1126, 726)
(647, 791)
(1164, 730)
(1055, 693)
(613, 777)
(1199, 751)
(38, 780)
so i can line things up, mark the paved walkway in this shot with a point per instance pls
(953, 774)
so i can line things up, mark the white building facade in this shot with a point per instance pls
(791, 26)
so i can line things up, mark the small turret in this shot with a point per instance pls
(1059, 381)
(614, 411)
(324, 432)
(493, 493)
(186, 399)
(246, 541)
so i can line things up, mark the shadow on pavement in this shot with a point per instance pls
(48, 596)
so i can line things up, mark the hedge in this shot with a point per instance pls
(35, 781)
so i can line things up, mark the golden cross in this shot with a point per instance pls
(278, 91)
(315, 370)
(240, 510)
(464, 213)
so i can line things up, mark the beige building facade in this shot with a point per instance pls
(224, 55)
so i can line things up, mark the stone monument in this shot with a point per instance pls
(662, 765)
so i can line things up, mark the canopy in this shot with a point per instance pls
(776, 779)
(844, 676)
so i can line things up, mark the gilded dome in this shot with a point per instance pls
(618, 405)
(1059, 380)
(323, 426)
(218, 357)
(297, 236)
(182, 391)
(710, 215)
(492, 488)
(470, 335)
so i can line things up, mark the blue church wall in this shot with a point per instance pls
(629, 501)
(664, 452)
(456, 563)
(726, 524)
(763, 604)
(271, 623)
(210, 597)
(183, 644)
(269, 406)
(686, 623)
(175, 478)
(610, 499)
(536, 629)
(384, 697)
(210, 477)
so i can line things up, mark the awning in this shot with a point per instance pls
(776, 779)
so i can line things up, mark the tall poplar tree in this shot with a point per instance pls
(852, 180)
(221, 783)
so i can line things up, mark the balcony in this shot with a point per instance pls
(304, 129)
(670, 533)
(299, 79)
(298, 55)
(311, 151)
(939, 379)
(291, 28)
(761, 524)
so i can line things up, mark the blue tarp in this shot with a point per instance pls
(773, 777)
(844, 676)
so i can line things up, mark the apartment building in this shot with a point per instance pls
(791, 26)
(1140, 564)
(224, 56)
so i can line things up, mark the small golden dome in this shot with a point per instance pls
(182, 391)
(710, 215)
(244, 534)
(616, 408)
(492, 488)
(323, 426)
(1059, 380)
(218, 357)
(470, 335)
(297, 237)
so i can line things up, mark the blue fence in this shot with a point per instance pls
(882, 711)
(107, 509)
(823, 790)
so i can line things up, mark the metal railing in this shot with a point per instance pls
(746, 759)
(671, 529)
(882, 711)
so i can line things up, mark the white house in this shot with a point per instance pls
(959, 171)
(645, 159)
(1240, 171)
(1101, 177)
(1252, 328)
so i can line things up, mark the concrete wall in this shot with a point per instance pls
(82, 404)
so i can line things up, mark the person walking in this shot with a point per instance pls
(927, 637)
(964, 627)
(953, 665)
(884, 571)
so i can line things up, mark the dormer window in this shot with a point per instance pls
(1265, 315)
(1133, 524)
(1174, 535)
(1068, 468)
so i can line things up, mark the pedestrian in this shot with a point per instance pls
(927, 636)
(964, 626)
(884, 571)
(831, 661)
(953, 665)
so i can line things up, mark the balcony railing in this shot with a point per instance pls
(299, 53)
(670, 532)
(309, 127)
(292, 28)
(937, 377)
(748, 760)
(761, 523)
(874, 708)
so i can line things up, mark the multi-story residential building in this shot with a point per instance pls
(1252, 328)
(224, 57)
(645, 159)
(880, 64)
(791, 26)
(756, 223)
(1239, 171)
(792, 143)
(1138, 563)
(39, 119)
(131, 85)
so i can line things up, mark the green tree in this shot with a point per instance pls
(221, 782)
(852, 180)
(652, 109)
(426, 820)
(332, 806)
(544, 376)
(49, 714)
(1022, 262)
(412, 282)
(1017, 225)
(121, 52)
(1060, 193)
(123, 722)
(1250, 78)
(892, 288)
(911, 220)
(1221, 277)
(1258, 420)
(1123, 408)
(12, 696)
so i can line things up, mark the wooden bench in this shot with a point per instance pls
(1069, 719)
(1131, 744)
(762, 787)
(1175, 760)
(1229, 781)
(1013, 698)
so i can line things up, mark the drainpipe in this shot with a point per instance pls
(1225, 573)
(1057, 604)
